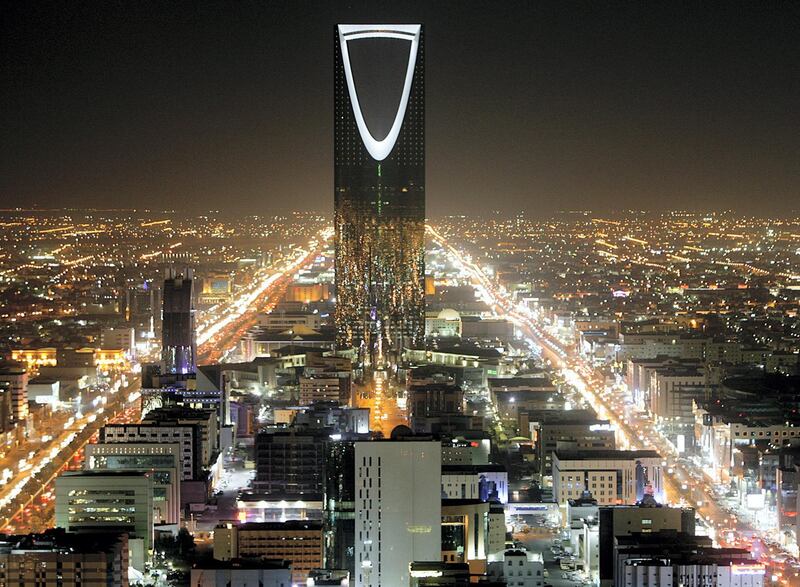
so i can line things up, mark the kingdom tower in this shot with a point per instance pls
(379, 200)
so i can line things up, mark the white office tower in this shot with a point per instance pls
(398, 509)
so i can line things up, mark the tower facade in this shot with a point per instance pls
(178, 331)
(398, 507)
(379, 200)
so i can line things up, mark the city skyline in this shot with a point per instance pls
(547, 335)
(569, 107)
(634, 361)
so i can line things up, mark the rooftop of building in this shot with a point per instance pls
(42, 380)
(463, 502)
(604, 455)
(669, 538)
(531, 556)
(520, 381)
(58, 539)
(764, 385)
(288, 525)
(177, 413)
(681, 335)
(437, 386)
(240, 563)
(557, 416)
(681, 370)
(293, 334)
(585, 500)
(102, 473)
(296, 349)
(703, 558)
(470, 350)
(300, 432)
(159, 424)
(489, 467)
(665, 359)
(434, 369)
(577, 422)
(289, 498)
(289, 312)
(422, 566)
(8, 367)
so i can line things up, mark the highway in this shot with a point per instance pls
(26, 501)
(223, 325)
(35, 476)
(685, 482)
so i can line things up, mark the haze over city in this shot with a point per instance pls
(535, 106)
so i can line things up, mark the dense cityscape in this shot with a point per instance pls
(385, 396)
(573, 368)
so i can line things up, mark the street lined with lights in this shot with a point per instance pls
(686, 482)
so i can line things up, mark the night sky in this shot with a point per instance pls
(530, 106)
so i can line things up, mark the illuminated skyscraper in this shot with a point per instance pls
(379, 189)
(178, 342)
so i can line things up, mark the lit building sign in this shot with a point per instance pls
(752, 569)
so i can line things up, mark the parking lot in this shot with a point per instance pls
(542, 541)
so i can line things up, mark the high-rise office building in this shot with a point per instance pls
(379, 202)
(178, 343)
(398, 508)
(290, 462)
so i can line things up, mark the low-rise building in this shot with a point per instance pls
(162, 462)
(669, 558)
(519, 568)
(487, 482)
(580, 433)
(105, 501)
(57, 557)
(646, 518)
(299, 542)
(324, 387)
(612, 476)
(244, 572)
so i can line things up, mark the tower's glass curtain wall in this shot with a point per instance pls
(379, 189)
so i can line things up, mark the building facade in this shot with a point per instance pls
(56, 557)
(15, 374)
(188, 436)
(162, 462)
(398, 508)
(290, 462)
(95, 501)
(299, 542)
(178, 344)
(612, 476)
(379, 198)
